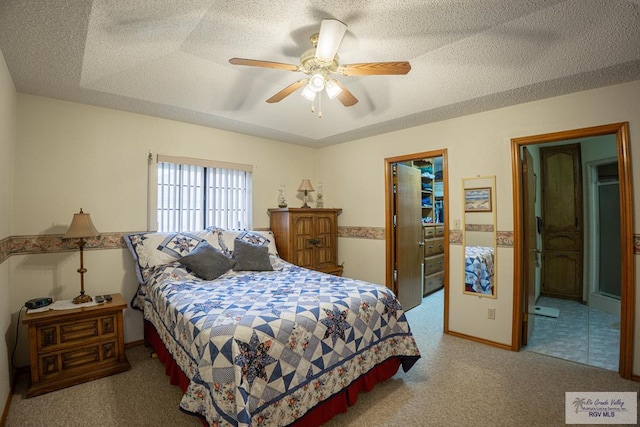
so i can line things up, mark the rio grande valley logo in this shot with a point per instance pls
(601, 408)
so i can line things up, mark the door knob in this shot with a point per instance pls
(421, 243)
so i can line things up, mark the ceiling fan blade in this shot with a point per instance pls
(265, 64)
(374, 68)
(331, 34)
(345, 96)
(287, 91)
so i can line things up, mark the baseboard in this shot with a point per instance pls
(635, 378)
(134, 344)
(5, 412)
(16, 374)
(480, 340)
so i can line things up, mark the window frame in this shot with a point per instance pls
(209, 170)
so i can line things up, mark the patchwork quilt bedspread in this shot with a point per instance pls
(262, 348)
(478, 269)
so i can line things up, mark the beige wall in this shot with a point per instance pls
(7, 144)
(71, 156)
(478, 144)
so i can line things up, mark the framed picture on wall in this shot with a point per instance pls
(477, 199)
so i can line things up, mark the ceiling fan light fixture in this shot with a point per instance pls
(333, 89)
(316, 82)
(308, 93)
(331, 34)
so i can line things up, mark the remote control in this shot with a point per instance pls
(107, 297)
(98, 299)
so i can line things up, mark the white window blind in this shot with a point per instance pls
(193, 194)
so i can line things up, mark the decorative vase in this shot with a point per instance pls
(282, 201)
(320, 197)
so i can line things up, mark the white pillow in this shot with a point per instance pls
(153, 249)
(226, 239)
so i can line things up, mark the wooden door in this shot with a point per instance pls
(562, 218)
(304, 233)
(409, 236)
(530, 246)
(324, 239)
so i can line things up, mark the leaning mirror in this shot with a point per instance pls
(479, 237)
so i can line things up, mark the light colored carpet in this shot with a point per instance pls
(456, 383)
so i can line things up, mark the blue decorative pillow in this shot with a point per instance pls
(207, 262)
(250, 257)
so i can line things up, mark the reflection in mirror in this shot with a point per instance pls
(479, 237)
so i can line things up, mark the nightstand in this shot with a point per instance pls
(68, 347)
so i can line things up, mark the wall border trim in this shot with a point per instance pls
(51, 243)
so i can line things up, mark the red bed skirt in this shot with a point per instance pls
(320, 414)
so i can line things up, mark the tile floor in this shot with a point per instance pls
(580, 334)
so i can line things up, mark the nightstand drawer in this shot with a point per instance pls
(52, 337)
(54, 364)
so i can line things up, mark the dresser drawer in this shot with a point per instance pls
(433, 282)
(431, 231)
(433, 247)
(433, 264)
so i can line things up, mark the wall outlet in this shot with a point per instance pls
(456, 224)
(491, 315)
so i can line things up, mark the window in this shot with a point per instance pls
(193, 194)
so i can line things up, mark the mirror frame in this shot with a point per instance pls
(480, 216)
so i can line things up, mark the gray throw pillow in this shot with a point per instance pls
(250, 257)
(207, 262)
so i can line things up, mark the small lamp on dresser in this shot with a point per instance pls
(81, 228)
(305, 186)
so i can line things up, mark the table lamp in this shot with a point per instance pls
(81, 228)
(305, 186)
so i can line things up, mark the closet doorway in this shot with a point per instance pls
(595, 138)
(416, 232)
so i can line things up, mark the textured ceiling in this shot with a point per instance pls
(170, 58)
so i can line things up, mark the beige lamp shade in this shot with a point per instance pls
(305, 185)
(81, 227)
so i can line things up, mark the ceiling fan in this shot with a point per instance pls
(320, 62)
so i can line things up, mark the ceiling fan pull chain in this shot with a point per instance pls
(320, 105)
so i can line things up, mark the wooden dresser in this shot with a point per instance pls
(433, 257)
(308, 237)
(68, 347)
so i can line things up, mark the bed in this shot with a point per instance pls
(263, 342)
(478, 269)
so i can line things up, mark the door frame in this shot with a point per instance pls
(388, 221)
(627, 314)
